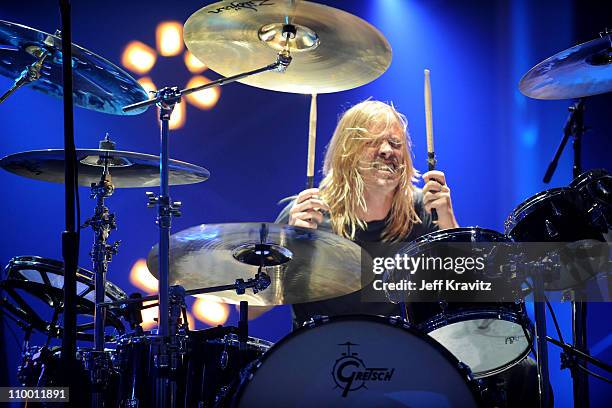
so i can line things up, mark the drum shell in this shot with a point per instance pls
(595, 187)
(433, 316)
(556, 215)
(308, 391)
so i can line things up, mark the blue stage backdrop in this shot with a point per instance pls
(493, 143)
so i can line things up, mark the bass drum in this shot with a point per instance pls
(357, 361)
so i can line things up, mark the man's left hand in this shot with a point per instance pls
(436, 194)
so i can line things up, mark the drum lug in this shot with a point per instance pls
(550, 229)
(315, 321)
(223, 360)
(131, 403)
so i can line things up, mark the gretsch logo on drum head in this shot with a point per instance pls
(350, 372)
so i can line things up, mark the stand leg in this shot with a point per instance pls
(541, 343)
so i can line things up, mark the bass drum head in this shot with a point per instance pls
(357, 361)
(488, 342)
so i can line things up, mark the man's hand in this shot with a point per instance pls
(436, 194)
(306, 212)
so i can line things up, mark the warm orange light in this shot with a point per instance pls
(179, 114)
(205, 99)
(191, 321)
(210, 312)
(149, 315)
(142, 278)
(169, 36)
(193, 64)
(138, 57)
(147, 84)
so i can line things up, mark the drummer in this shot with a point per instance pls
(367, 195)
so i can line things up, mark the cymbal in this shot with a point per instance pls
(98, 83)
(127, 169)
(303, 264)
(332, 51)
(582, 70)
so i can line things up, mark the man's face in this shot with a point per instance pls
(382, 159)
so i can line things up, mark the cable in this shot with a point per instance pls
(554, 317)
(598, 376)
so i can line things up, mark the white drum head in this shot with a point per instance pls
(357, 362)
(487, 346)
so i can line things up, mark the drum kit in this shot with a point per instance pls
(298, 47)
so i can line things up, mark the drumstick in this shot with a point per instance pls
(431, 156)
(312, 141)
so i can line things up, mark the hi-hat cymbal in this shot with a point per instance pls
(332, 50)
(582, 70)
(127, 169)
(98, 84)
(305, 264)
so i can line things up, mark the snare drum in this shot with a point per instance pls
(489, 337)
(357, 361)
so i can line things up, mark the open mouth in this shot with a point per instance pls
(390, 167)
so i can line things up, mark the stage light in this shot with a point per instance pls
(169, 36)
(179, 114)
(147, 84)
(141, 278)
(205, 99)
(138, 57)
(193, 64)
(210, 312)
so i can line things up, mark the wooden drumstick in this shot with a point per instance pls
(312, 141)
(431, 156)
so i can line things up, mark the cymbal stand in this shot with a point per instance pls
(166, 99)
(574, 126)
(30, 74)
(102, 223)
(541, 343)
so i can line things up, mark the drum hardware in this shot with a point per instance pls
(166, 99)
(30, 74)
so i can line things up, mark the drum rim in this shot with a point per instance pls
(588, 177)
(528, 206)
(24, 262)
(248, 372)
(512, 316)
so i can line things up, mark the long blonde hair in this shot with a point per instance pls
(343, 186)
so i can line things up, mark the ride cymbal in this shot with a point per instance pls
(332, 50)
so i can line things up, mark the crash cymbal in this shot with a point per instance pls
(332, 50)
(303, 264)
(98, 84)
(127, 169)
(583, 70)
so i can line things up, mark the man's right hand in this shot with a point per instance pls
(307, 210)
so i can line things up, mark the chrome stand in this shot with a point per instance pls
(541, 342)
(166, 99)
(102, 223)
